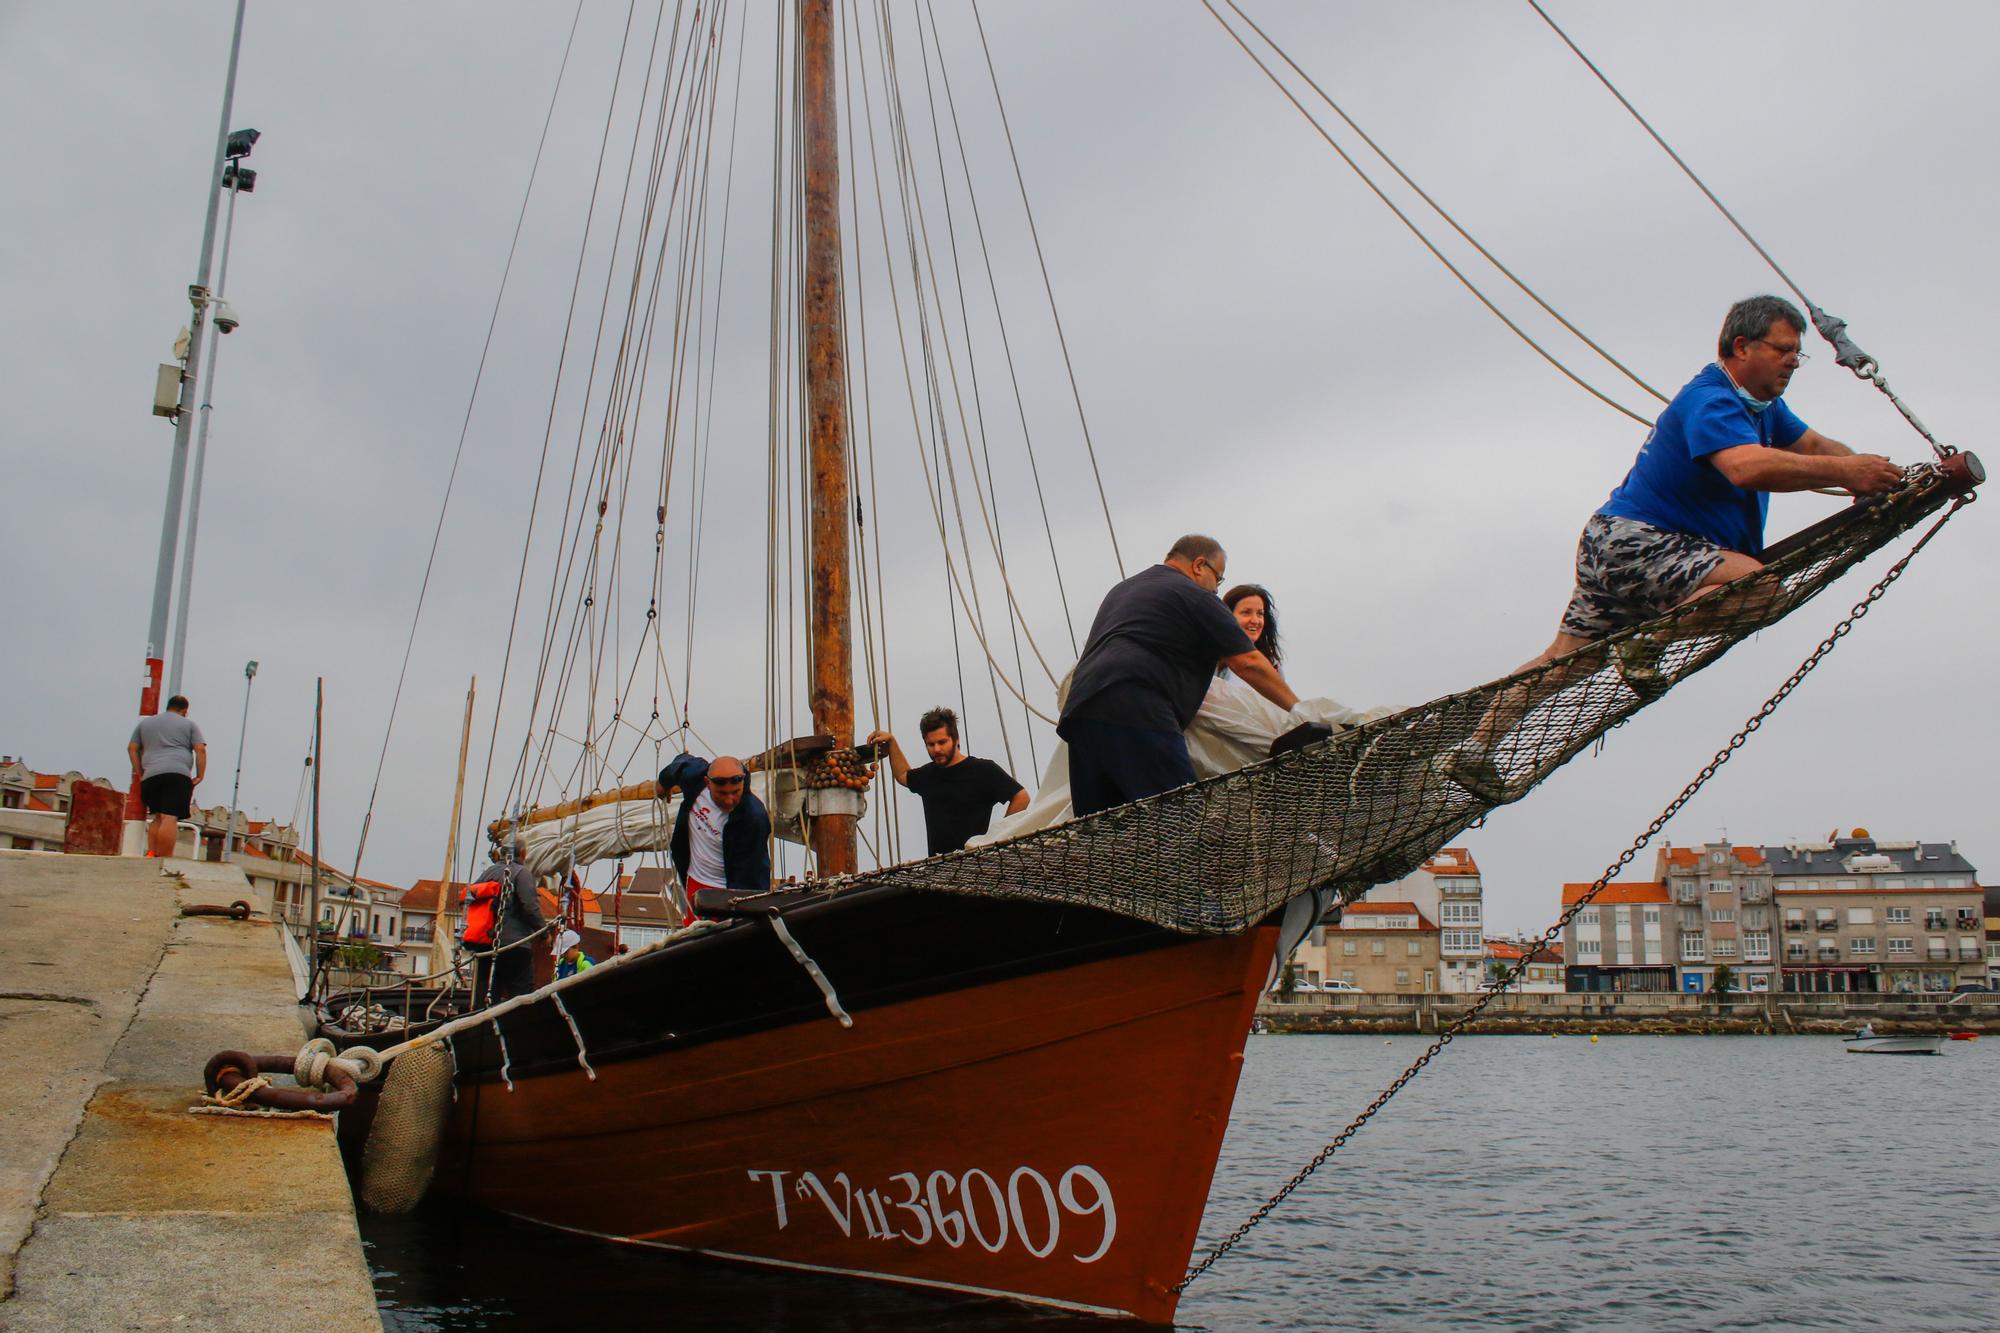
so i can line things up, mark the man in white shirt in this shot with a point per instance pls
(170, 758)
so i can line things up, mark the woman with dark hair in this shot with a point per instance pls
(1254, 610)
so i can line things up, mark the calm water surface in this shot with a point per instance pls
(1519, 1182)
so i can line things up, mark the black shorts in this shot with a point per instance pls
(167, 794)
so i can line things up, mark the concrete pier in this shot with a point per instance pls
(118, 1209)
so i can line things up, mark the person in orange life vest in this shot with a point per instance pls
(722, 836)
(500, 973)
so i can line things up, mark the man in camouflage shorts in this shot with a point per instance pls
(1688, 518)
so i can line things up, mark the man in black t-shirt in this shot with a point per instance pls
(959, 791)
(1150, 659)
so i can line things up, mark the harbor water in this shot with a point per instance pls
(1519, 1182)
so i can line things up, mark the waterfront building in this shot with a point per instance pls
(1992, 896)
(1448, 891)
(646, 907)
(1619, 942)
(34, 807)
(1543, 974)
(1723, 915)
(1384, 947)
(1857, 914)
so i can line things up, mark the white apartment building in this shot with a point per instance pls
(1448, 891)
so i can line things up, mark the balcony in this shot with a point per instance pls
(1934, 922)
(1795, 923)
(1758, 895)
(416, 935)
(1937, 955)
(1829, 955)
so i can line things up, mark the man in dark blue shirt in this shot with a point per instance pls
(1689, 516)
(1150, 658)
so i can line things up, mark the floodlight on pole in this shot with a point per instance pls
(183, 419)
(236, 787)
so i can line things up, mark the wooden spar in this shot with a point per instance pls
(787, 754)
(440, 928)
(833, 835)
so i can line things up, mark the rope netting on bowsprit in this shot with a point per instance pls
(1371, 804)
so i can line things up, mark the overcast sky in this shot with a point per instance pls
(1262, 352)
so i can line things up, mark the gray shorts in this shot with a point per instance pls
(1628, 571)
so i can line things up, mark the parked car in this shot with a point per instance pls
(1336, 987)
(1971, 988)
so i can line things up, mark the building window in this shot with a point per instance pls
(1347, 974)
(1757, 947)
(1693, 948)
(1587, 948)
(1725, 948)
(1720, 886)
(1860, 916)
(1862, 944)
(1652, 916)
(1897, 916)
(1402, 976)
(1933, 918)
(1461, 914)
(1413, 948)
(1377, 947)
(1795, 951)
(1347, 947)
(1587, 917)
(1901, 945)
(1721, 914)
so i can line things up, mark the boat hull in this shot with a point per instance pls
(1047, 1130)
(1895, 1045)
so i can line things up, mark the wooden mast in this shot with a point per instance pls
(833, 835)
(444, 919)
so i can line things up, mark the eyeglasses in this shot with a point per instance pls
(1788, 353)
(736, 781)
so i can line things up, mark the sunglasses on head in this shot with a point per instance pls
(736, 781)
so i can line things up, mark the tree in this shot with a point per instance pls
(1496, 972)
(1725, 981)
(1288, 981)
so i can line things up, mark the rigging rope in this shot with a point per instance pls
(1638, 844)
(464, 429)
(1417, 231)
(1830, 327)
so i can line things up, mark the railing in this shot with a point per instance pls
(1795, 923)
(1829, 955)
(416, 935)
(1937, 955)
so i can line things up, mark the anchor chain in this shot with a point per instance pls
(1464, 1020)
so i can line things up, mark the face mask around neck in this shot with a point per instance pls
(1750, 400)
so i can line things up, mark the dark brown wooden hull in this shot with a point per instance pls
(1048, 1134)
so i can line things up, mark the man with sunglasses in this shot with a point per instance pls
(722, 836)
(1150, 659)
(1689, 516)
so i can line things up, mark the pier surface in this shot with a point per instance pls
(118, 1209)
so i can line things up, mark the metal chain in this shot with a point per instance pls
(1458, 1025)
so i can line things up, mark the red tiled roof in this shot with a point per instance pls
(47, 780)
(423, 895)
(1691, 856)
(1381, 909)
(551, 905)
(37, 803)
(1452, 861)
(1624, 891)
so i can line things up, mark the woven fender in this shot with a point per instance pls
(402, 1149)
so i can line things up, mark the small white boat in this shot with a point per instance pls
(1865, 1042)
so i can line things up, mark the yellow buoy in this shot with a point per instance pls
(1593, 1036)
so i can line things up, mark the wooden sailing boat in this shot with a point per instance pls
(1010, 1097)
(1004, 1071)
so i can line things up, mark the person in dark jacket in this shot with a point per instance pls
(722, 836)
(500, 973)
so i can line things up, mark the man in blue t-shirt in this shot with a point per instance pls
(1689, 516)
(1150, 658)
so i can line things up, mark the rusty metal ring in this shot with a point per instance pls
(227, 1069)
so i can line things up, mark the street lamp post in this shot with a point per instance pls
(237, 179)
(236, 787)
(170, 524)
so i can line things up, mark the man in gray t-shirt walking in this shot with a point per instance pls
(170, 758)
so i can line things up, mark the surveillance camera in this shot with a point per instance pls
(225, 317)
